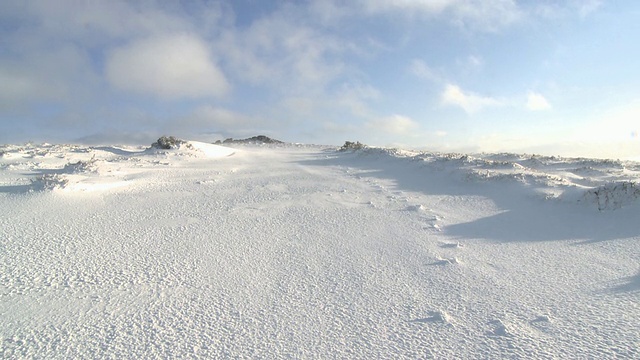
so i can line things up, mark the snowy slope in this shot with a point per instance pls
(307, 252)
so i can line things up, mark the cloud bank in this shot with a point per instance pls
(171, 67)
(537, 102)
(469, 102)
(310, 71)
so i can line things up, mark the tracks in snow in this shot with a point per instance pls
(287, 253)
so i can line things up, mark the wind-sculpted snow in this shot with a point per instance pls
(606, 184)
(72, 167)
(295, 251)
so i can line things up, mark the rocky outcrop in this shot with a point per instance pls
(260, 139)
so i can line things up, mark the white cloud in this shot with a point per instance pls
(210, 115)
(434, 6)
(171, 67)
(282, 51)
(56, 47)
(470, 102)
(486, 15)
(17, 86)
(566, 9)
(537, 102)
(473, 62)
(89, 21)
(301, 106)
(422, 70)
(356, 97)
(394, 124)
(327, 12)
(62, 74)
(586, 7)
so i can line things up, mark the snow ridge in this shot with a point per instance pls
(607, 184)
(73, 167)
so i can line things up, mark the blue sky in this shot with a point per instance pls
(550, 77)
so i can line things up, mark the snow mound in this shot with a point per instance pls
(192, 149)
(435, 317)
(609, 184)
(211, 150)
(446, 261)
(499, 328)
(46, 167)
(49, 182)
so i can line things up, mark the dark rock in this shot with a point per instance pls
(260, 139)
(350, 145)
(168, 142)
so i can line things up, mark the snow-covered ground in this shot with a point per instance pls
(308, 252)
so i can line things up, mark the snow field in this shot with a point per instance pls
(305, 252)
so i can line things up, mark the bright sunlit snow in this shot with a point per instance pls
(296, 251)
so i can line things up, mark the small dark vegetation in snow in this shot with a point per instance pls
(614, 195)
(81, 166)
(350, 145)
(48, 182)
(168, 142)
(260, 139)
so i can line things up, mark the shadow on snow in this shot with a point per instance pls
(526, 216)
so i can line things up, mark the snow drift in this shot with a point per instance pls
(606, 184)
(284, 251)
(72, 167)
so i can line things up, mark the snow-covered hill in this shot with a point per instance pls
(309, 252)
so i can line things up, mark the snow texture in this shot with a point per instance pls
(294, 251)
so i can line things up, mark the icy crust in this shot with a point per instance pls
(308, 253)
(604, 184)
(46, 167)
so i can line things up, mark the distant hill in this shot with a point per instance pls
(260, 139)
